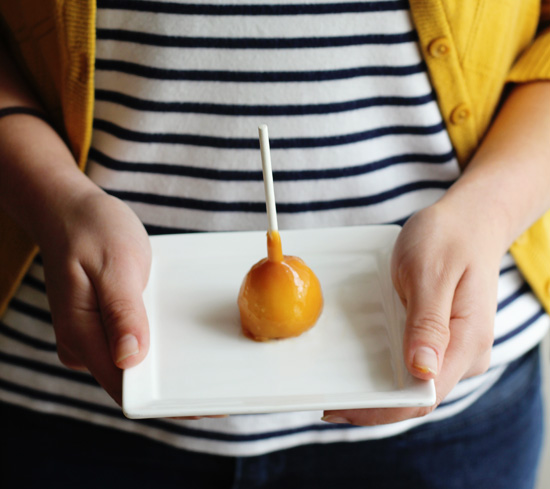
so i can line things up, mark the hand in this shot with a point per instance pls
(97, 259)
(446, 260)
(445, 270)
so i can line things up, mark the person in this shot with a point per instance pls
(435, 118)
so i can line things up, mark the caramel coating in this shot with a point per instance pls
(280, 297)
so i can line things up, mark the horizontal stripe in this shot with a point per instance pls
(287, 192)
(252, 42)
(278, 175)
(510, 268)
(240, 221)
(47, 369)
(25, 339)
(34, 283)
(282, 207)
(524, 289)
(386, 22)
(523, 326)
(60, 399)
(260, 94)
(309, 131)
(30, 310)
(312, 160)
(83, 378)
(155, 230)
(258, 110)
(400, 222)
(159, 424)
(251, 9)
(252, 143)
(255, 76)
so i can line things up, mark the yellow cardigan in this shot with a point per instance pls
(472, 49)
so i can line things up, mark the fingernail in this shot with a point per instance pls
(425, 360)
(126, 347)
(335, 419)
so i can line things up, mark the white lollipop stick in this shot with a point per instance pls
(268, 179)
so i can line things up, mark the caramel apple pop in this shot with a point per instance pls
(280, 297)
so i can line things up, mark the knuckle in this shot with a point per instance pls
(70, 364)
(63, 333)
(67, 359)
(486, 340)
(424, 411)
(117, 312)
(481, 366)
(74, 275)
(430, 324)
(423, 268)
(63, 358)
(477, 342)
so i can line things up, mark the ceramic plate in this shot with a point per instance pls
(200, 363)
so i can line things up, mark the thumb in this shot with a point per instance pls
(427, 331)
(123, 315)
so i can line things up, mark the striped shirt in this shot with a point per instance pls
(356, 138)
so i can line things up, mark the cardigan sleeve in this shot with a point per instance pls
(534, 62)
(531, 250)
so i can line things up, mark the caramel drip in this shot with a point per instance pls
(274, 247)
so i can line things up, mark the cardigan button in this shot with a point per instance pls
(460, 114)
(439, 47)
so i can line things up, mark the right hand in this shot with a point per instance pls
(97, 259)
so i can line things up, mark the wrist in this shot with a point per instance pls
(39, 178)
(506, 182)
(478, 211)
(63, 198)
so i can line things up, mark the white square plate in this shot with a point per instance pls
(200, 363)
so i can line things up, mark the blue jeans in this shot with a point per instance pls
(495, 443)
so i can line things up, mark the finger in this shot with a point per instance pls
(94, 350)
(429, 303)
(449, 376)
(472, 323)
(481, 366)
(119, 290)
(79, 331)
(373, 417)
(68, 359)
(426, 338)
(468, 352)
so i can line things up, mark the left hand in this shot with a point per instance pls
(445, 268)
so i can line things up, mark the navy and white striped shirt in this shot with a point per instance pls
(356, 138)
